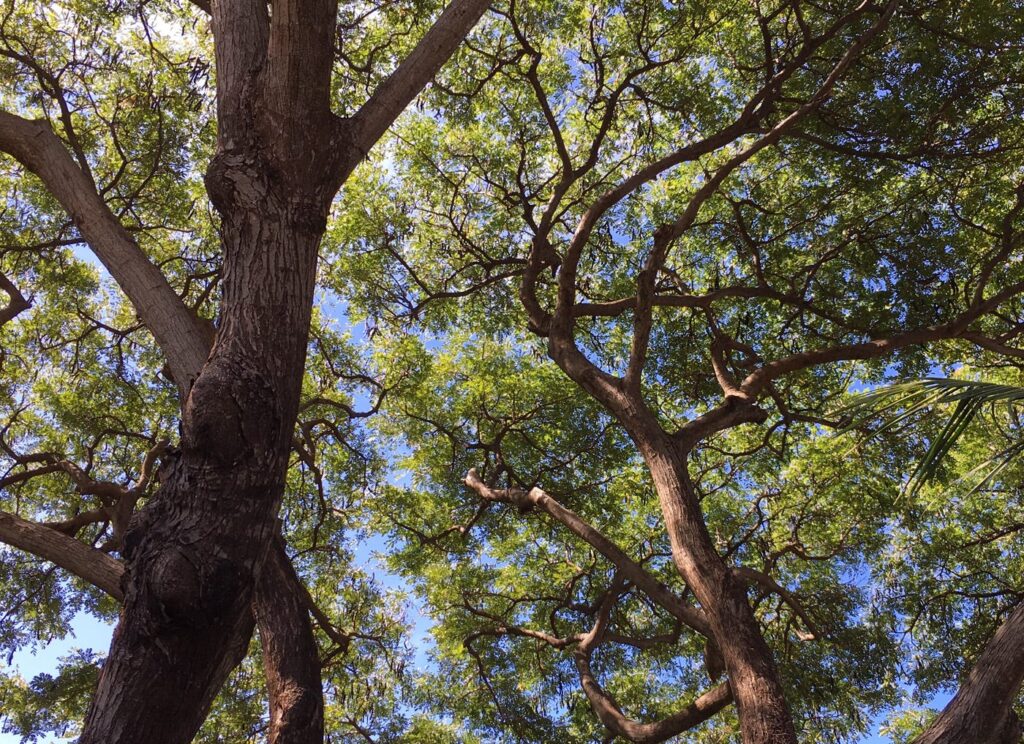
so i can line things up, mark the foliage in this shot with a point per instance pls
(892, 207)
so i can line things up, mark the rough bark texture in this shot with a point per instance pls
(981, 712)
(194, 552)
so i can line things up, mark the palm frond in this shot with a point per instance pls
(897, 403)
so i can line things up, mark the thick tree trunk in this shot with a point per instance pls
(754, 680)
(194, 553)
(982, 710)
(290, 654)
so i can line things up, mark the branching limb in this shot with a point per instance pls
(89, 564)
(393, 95)
(753, 576)
(665, 235)
(177, 329)
(609, 712)
(630, 569)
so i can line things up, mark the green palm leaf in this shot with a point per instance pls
(897, 403)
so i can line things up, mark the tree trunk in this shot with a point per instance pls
(754, 680)
(194, 552)
(982, 710)
(290, 654)
(757, 690)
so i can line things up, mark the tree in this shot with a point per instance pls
(713, 219)
(616, 272)
(195, 557)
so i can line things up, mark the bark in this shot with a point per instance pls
(981, 712)
(16, 303)
(194, 553)
(290, 654)
(195, 550)
(279, 607)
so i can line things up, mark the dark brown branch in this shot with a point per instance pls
(177, 330)
(393, 95)
(290, 655)
(611, 715)
(17, 303)
(878, 347)
(609, 712)
(753, 576)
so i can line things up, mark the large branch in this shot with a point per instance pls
(609, 712)
(176, 329)
(611, 715)
(17, 302)
(982, 710)
(87, 563)
(630, 569)
(757, 380)
(403, 85)
(290, 654)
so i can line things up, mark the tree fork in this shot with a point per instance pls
(195, 552)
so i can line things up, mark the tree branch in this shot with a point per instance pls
(630, 569)
(290, 653)
(609, 712)
(753, 576)
(403, 85)
(177, 330)
(88, 564)
(17, 303)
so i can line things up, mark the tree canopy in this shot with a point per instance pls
(496, 366)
